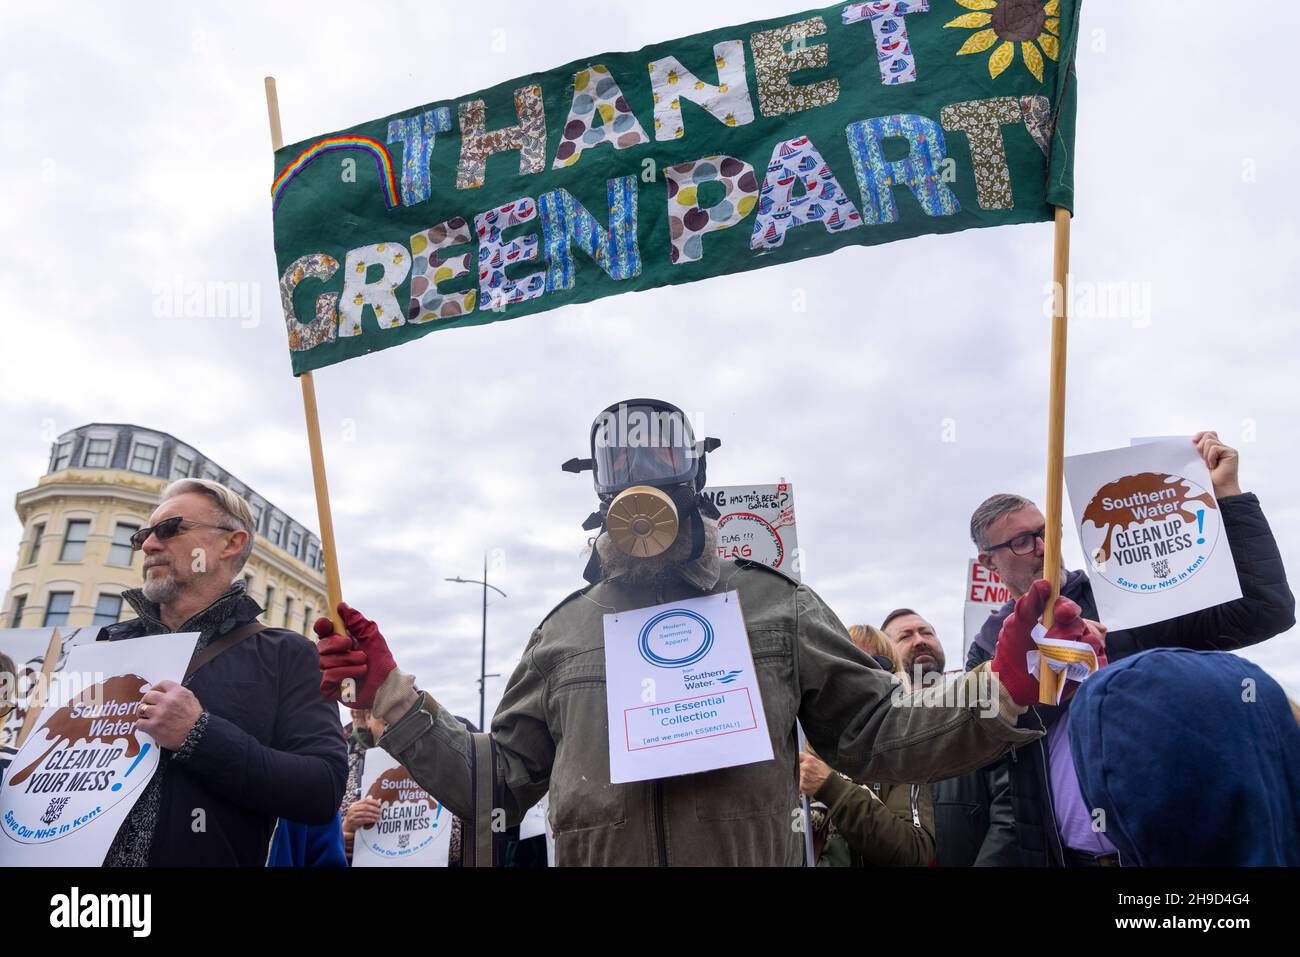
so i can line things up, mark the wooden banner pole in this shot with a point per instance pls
(1056, 435)
(333, 585)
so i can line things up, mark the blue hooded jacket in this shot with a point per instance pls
(1195, 758)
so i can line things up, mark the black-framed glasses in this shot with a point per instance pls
(169, 528)
(1022, 544)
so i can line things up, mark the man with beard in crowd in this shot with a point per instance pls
(918, 646)
(244, 736)
(972, 819)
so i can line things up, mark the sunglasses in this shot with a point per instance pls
(169, 528)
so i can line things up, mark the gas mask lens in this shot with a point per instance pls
(642, 445)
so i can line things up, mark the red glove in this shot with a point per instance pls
(1015, 641)
(361, 655)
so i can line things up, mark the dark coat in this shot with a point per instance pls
(973, 826)
(272, 748)
(1266, 608)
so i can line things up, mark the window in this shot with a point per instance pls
(306, 619)
(97, 453)
(182, 465)
(57, 608)
(295, 543)
(312, 553)
(270, 600)
(74, 540)
(33, 553)
(248, 582)
(107, 610)
(20, 605)
(62, 456)
(288, 611)
(210, 473)
(256, 508)
(120, 553)
(275, 529)
(144, 458)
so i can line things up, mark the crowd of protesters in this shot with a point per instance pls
(253, 734)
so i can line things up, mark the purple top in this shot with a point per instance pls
(1073, 820)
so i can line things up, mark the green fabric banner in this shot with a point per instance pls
(743, 147)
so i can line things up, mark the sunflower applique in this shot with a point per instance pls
(1032, 24)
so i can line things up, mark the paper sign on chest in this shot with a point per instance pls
(683, 695)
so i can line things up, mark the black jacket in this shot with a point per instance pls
(973, 826)
(272, 748)
(1266, 608)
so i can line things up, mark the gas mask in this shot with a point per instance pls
(649, 473)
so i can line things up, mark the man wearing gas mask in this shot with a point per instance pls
(658, 543)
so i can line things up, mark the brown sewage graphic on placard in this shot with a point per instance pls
(1133, 493)
(70, 731)
(396, 785)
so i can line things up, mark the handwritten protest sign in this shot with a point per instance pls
(79, 773)
(985, 594)
(414, 830)
(681, 690)
(757, 522)
(1151, 531)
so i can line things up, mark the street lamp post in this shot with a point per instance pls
(482, 671)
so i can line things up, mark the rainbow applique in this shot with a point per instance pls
(318, 149)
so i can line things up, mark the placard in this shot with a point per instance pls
(81, 770)
(682, 691)
(414, 829)
(757, 523)
(986, 593)
(1152, 532)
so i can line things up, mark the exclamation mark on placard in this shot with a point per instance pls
(1200, 525)
(138, 758)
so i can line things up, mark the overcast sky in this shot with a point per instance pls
(136, 154)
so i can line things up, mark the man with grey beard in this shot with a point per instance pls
(657, 544)
(245, 738)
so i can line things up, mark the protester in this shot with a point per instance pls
(245, 738)
(869, 825)
(878, 646)
(1213, 779)
(358, 811)
(964, 833)
(550, 730)
(918, 647)
(360, 739)
(1054, 826)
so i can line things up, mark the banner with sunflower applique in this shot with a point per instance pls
(730, 150)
